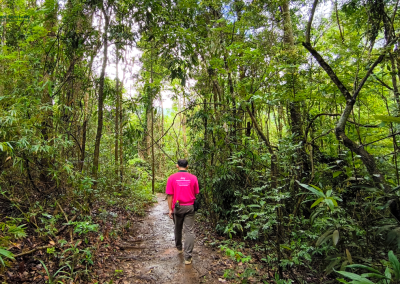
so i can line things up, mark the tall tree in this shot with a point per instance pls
(95, 167)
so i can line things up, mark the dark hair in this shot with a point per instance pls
(182, 163)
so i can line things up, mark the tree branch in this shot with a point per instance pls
(337, 114)
(394, 134)
(369, 72)
(33, 250)
(382, 83)
(257, 127)
(328, 71)
(308, 30)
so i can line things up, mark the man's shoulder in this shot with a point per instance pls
(192, 176)
(171, 176)
(184, 173)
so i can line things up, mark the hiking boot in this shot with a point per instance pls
(188, 261)
(179, 251)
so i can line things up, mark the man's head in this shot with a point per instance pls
(182, 164)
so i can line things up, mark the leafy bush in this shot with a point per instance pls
(84, 227)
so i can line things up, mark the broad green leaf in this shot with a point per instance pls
(313, 190)
(316, 187)
(335, 237)
(362, 267)
(395, 264)
(334, 201)
(355, 277)
(336, 174)
(318, 201)
(323, 237)
(388, 275)
(349, 258)
(330, 203)
(286, 247)
(343, 266)
(375, 275)
(6, 253)
(331, 265)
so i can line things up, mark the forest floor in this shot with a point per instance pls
(148, 255)
(133, 248)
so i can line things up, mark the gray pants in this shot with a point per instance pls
(184, 218)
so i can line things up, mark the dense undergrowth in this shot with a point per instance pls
(314, 232)
(58, 237)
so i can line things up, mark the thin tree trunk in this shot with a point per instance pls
(294, 106)
(394, 82)
(121, 121)
(47, 123)
(116, 148)
(162, 159)
(152, 129)
(95, 168)
(184, 128)
(84, 130)
(86, 111)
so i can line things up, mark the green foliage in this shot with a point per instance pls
(236, 255)
(4, 253)
(56, 277)
(84, 227)
(330, 201)
(382, 278)
(258, 119)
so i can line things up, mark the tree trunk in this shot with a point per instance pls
(148, 129)
(95, 168)
(152, 127)
(162, 160)
(184, 128)
(121, 121)
(84, 129)
(86, 110)
(394, 82)
(116, 148)
(294, 106)
(47, 123)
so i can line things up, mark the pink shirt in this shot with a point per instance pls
(184, 187)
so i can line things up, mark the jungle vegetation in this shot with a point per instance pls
(288, 112)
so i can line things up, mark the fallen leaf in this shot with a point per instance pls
(52, 243)
(16, 245)
(221, 280)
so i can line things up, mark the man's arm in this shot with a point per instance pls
(170, 197)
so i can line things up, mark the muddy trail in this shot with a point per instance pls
(148, 254)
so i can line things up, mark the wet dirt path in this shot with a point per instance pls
(149, 254)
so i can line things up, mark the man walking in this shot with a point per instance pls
(182, 188)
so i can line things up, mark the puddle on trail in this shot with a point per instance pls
(150, 256)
